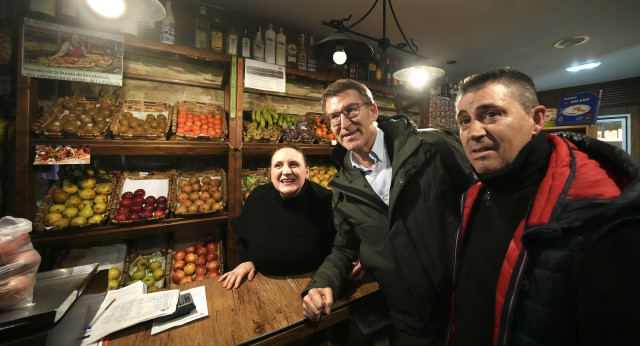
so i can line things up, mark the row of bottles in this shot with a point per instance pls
(445, 89)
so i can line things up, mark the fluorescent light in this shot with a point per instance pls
(109, 9)
(583, 66)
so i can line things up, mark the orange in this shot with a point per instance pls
(218, 116)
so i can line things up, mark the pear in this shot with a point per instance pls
(100, 199)
(70, 212)
(69, 188)
(104, 189)
(96, 218)
(51, 218)
(86, 212)
(73, 201)
(84, 203)
(88, 183)
(59, 196)
(62, 223)
(114, 273)
(87, 194)
(57, 208)
(78, 221)
(99, 208)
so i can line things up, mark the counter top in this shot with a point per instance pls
(267, 310)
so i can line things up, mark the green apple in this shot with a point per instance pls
(155, 265)
(143, 264)
(149, 280)
(138, 274)
(158, 273)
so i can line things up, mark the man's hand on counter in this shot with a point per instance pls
(317, 301)
(233, 279)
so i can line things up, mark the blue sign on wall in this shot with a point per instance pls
(579, 109)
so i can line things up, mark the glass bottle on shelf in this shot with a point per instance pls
(245, 45)
(202, 29)
(232, 42)
(167, 28)
(216, 35)
(258, 46)
(378, 70)
(311, 60)
(388, 78)
(373, 68)
(270, 45)
(292, 51)
(281, 48)
(302, 54)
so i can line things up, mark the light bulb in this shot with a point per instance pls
(339, 56)
(109, 9)
(418, 77)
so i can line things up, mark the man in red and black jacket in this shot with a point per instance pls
(548, 249)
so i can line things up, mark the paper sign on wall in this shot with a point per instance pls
(264, 76)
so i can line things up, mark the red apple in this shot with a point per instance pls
(212, 256)
(199, 244)
(213, 265)
(177, 276)
(201, 270)
(202, 251)
(189, 268)
(150, 208)
(146, 215)
(178, 265)
(121, 210)
(135, 208)
(127, 195)
(161, 199)
(138, 200)
(139, 192)
(212, 247)
(186, 279)
(133, 216)
(158, 213)
(200, 261)
(161, 206)
(126, 202)
(200, 277)
(213, 273)
(150, 200)
(179, 255)
(190, 249)
(121, 217)
(190, 257)
(209, 238)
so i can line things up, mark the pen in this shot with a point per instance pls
(102, 313)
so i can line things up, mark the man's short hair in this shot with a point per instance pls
(520, 85)
(346, 84)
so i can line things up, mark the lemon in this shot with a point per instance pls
(114, 273)
(113, 285)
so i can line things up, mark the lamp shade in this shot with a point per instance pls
(356, 50)
(418, 74)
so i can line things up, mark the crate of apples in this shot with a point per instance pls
(137, 205)
(200, 193)
(196, 262)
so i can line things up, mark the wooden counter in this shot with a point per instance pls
(267, 310)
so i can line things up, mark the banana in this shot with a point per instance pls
(267, 116)
(273, 114)
(262, 123)
(269, 107)
(253, 116)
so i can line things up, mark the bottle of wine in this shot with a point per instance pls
(378, 70)
(167, 28)
(388, 78)
(394, 68)
(311, 60)
(270, 45)
(258, 46)
(202, 29)
(292, 51)
(281, 48)
(302, 53)
(245, 45)
(232, 42)
(373, 68)
(216, 35)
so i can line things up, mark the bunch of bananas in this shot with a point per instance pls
(267, 117)
(7, 133)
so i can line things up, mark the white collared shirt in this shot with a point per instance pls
(379, 177)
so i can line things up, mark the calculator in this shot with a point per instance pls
(185, 305)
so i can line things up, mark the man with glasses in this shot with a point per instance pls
(396, 206)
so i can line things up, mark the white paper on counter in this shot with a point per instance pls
(199, 296)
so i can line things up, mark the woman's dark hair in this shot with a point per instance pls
(291, 146)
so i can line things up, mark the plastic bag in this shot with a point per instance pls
(19, 263)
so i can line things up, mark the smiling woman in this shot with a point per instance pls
(285, 227)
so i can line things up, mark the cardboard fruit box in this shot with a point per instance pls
(142, 197)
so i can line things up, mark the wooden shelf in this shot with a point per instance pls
(103, 233)
(136, 45)
(142, 147)
(588, 130)
(265, 149)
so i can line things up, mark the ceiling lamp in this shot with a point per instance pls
(142, 10)
(357, 51)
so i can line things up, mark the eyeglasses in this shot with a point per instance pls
(351, 111)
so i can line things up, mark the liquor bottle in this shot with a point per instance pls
(281, 48)
(167, 28)
(202, 29)
(378, 70)
(258, 46)
(292, 51)
(68, 12)
(388, 78)
(302, 53)
(394, 68)
(216, 35)
(373, 67)
(245, 45)
(311, 60)
(42, 10)
(353, 70)
(270, 45)
(232, 42)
